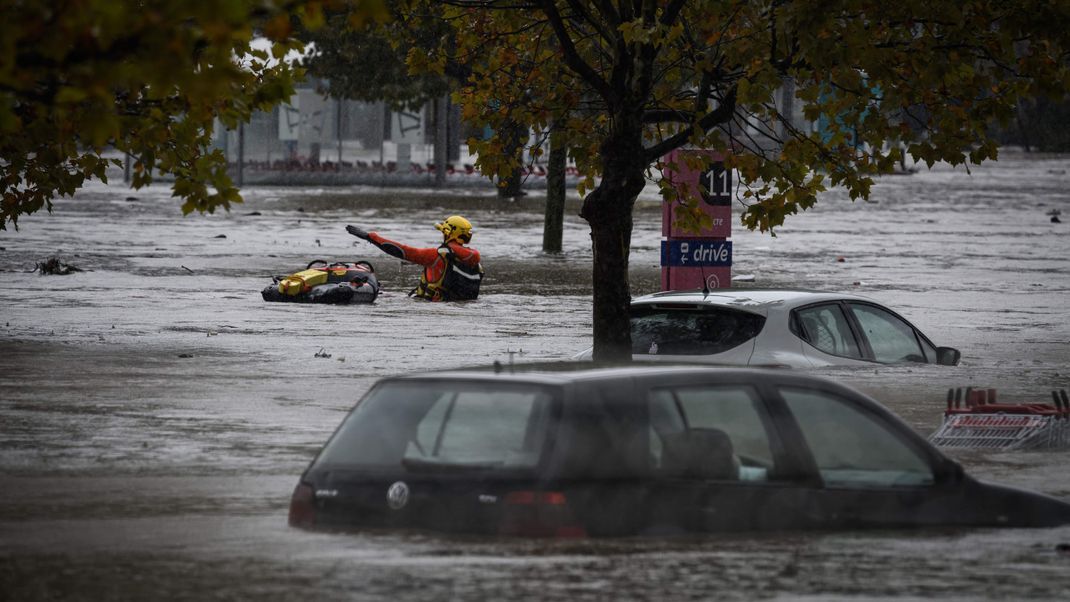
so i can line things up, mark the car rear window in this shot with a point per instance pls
(430, 426)
(690, 329)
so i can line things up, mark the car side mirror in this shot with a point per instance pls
(947, 356)
(955, 472)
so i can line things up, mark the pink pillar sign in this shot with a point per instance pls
(687, 257)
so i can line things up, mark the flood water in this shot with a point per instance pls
(155, 413)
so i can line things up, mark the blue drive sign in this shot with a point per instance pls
(697, 253)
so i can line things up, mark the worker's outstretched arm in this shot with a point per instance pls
(422, 256)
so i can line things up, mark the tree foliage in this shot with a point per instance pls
(368, 62)
(921, 76)
(144, 77)
(630, 81)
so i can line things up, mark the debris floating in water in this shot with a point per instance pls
(53, 266)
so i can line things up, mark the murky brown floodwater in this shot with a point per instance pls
(155, 413)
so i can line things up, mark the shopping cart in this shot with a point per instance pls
(975, 419)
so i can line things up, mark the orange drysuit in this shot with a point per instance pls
(437, 283)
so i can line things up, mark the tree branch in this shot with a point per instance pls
(572, 56)
(606, 34)
(721, 114)
(671, 12)
(609, 12)
(668, 116)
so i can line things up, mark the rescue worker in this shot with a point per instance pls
(452, 271)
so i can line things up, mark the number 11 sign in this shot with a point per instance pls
(714, 187)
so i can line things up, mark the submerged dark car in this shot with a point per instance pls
(580, 450)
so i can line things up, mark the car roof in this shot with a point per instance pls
(561, 373)
(759, 301)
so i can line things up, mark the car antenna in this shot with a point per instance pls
(705, 286)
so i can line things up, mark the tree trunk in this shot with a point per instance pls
(515, 136)
(510, 186)
(553, 227)
(608, 209)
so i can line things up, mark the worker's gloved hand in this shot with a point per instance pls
(357, 231)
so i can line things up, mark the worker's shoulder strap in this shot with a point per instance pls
(460, 281)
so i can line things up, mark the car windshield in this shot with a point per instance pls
(443, 426)
(690, 329)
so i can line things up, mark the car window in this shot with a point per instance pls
(604, 433)
(851, 447)
(690, 330)
(441, 424)
(709, 432)
(480, 426)
(891, 339)
(826, 328)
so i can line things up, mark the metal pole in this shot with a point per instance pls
(338, 130)
(440, 141)
(787, 109)
(241, 154)
(382, 133)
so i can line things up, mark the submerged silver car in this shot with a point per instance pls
(798, 329)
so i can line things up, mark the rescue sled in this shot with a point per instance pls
(321, 282)
(975, 419)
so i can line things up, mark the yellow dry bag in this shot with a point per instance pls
(298, 283)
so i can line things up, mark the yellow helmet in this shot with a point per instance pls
(455, 227)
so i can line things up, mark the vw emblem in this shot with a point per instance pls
(397, 496)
